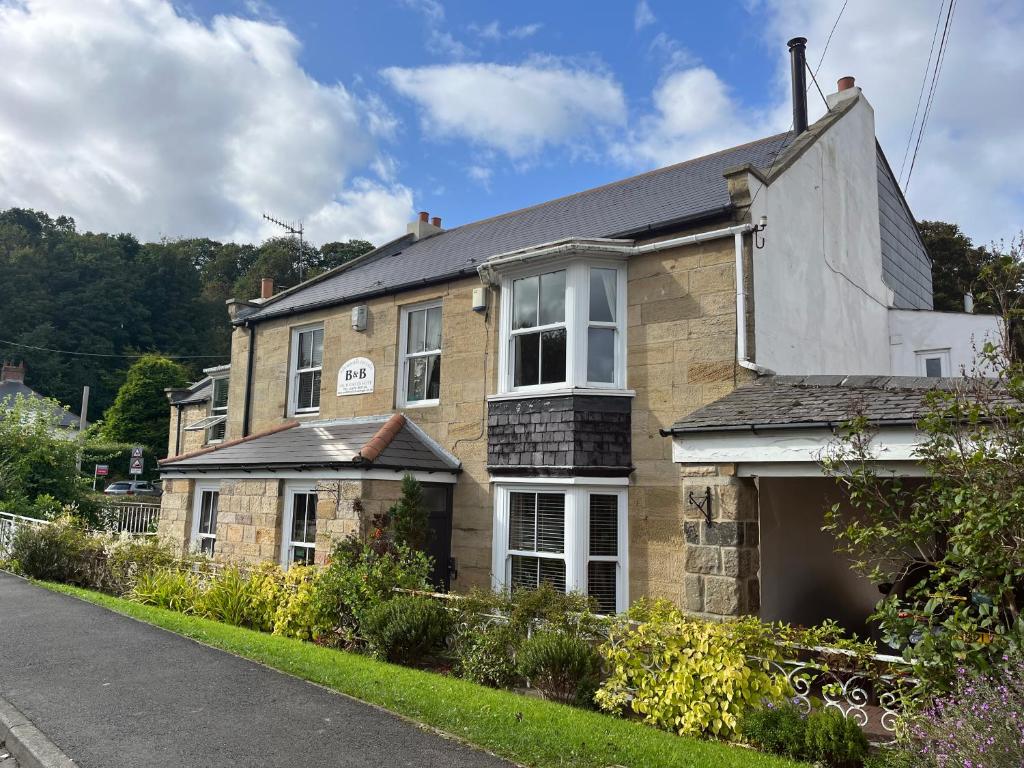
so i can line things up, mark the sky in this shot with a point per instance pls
(191, 119)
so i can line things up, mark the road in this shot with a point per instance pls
(111, 692)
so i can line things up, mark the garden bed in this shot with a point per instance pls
(524, 729)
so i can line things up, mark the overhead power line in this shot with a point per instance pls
(829, 38)
(940, 57)
(102, 354)
(924, 83)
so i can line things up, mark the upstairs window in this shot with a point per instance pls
(564, 328)
(218, 409)
(420, 345)
(306, 369)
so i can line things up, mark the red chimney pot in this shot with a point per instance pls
(846, 83)
(266, 287)
(424, 216)
(436, 221)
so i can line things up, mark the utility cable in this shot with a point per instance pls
(102, 354)
(924, 82)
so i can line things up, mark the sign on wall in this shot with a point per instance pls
(355, 377)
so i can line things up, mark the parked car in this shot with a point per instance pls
(132, 488)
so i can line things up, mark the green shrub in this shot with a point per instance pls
(407, 629)
(563, 667)
(127, 558)
(486, 655)
(61, 551)
(299, 613)
(266, 591)
(166, 588)
(834, 741)
(493, 627)
(686, 675)
(777, 729)
(358, 578)
(228, 598)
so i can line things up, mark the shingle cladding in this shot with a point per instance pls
(569, 434)
(787, 401)
(679, 192)
(906, 267)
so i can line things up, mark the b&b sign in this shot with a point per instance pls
(355, 377)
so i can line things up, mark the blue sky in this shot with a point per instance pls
(172, 119)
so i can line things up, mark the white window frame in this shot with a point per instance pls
(577, 534)
(202, 487)
(215, 410)
(291, 491)
(404, 356)
(577, 324)
(294, 371)
(924, 355)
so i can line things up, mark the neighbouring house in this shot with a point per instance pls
(199, 412)
(528, 368)
(13, 387)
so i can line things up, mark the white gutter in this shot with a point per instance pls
(626, 248)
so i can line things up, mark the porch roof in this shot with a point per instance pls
(377, 442)
(779, 402)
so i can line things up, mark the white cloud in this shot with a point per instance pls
(694, 114)
(481, 174)
(517, 109)
(968, 168)
(139, 119)
(439, 40)
(643, 16)
(495, 31)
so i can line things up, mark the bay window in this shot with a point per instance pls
(306, 368)
(564, 327)
(570, 537)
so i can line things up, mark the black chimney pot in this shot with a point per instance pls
(798, 66)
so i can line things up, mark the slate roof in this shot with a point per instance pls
(690, 190)
(11, 389)
(200, 392)
(808, 401)
(333, 444)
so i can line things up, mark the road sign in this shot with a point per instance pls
(135, 468)
(137, 452)
(102, 470)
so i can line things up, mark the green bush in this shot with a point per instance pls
(686, 675)
(358, 578)
(834, 741)
(299, 613)
(780, 730)
(564, 667)
(228, 597)
(166, 588)
(408, 629)
(266, 591)
(61, 551)
(486, 655)
(493, 626)
(128, 558)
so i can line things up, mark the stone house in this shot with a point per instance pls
(527, 369)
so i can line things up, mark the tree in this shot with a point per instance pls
(335, 254)
(948, 550)
(410, 519)
(956, 265)
(140, 413)
(38, 460)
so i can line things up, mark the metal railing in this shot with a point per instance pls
(138, 518)
(9, 524)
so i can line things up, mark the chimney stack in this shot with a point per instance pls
(13, 371)
(798, 67)
(266, 288)
(424, 226)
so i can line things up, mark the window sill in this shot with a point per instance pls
(420, 404)
(561, 392)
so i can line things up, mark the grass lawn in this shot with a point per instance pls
(526, 730)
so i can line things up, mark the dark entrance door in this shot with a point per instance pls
(438, 499)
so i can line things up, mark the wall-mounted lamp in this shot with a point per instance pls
(761, 224)
(359, 318)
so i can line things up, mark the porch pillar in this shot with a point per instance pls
(721, 559)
